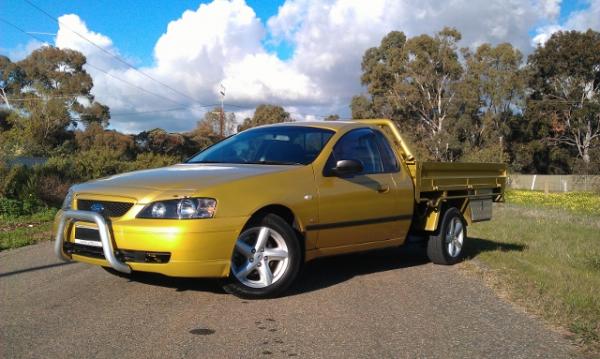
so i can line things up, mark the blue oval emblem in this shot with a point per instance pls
(97, 207)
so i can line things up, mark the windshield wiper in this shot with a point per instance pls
(273, 163)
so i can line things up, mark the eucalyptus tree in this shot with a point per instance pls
(48, 92)
(414, 82)
(492, 97)
(565, 84)
(264, 115)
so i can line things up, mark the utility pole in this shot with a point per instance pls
(222, 116)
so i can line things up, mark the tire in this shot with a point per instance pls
(266, 259)
(446, 246)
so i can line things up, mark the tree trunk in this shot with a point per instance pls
(586, 155)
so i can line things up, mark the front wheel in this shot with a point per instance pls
(266, 259)
(446, 246)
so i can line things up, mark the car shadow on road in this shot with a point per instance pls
(179, 284)
(330, 271)
(326, 272)
(33, 269)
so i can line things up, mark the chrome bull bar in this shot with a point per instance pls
(107, 246)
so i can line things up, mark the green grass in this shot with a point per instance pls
(22, 231)
(546, 259)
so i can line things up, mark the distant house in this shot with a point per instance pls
(27, 161)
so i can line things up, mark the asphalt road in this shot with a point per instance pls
(382, 304)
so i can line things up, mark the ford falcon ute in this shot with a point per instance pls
(253, 208)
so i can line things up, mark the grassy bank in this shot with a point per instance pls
(544, 253)
(21, 231)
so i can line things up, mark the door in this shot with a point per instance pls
(404, 187)
(358, 208)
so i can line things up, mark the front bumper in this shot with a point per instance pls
(196, 248)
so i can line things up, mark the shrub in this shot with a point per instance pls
(3, 173)
(10, 207)
(15, 181)
(25, 190)
(19, 207)
(152, 160)
(86, 165)
(52, 189)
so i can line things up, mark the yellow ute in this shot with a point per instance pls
(256, 206)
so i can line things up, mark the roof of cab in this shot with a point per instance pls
(330, 125)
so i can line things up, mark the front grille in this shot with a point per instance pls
(89, 234)
(74, 248)
(111, 209)
(122, 255)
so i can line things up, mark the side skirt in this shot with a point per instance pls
(332, 251)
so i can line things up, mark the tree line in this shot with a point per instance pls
(539, 115)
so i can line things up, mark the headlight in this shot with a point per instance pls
(185, 208)
(67, 203)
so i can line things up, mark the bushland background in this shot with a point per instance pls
(540, 115)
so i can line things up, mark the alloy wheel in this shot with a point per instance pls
(260, 258)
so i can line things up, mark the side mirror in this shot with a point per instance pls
(347, 168)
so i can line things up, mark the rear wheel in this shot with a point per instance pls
(446, 246)
(266, 259)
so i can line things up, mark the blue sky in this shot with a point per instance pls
(133, 25)
(304, 55)
(567, 8)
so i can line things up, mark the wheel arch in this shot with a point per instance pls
(430, 221)
(286, 214)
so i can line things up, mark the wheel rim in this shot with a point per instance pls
(260, 257)
(455, 237)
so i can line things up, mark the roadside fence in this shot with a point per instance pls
(555, 183)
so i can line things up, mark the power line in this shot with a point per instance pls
(108, 52)
(175, 109)
(121, 60)
(184, 106)
(45, 98)
(96, 67)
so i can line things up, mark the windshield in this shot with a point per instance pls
(276, 145)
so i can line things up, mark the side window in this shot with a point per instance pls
(360, 145)
(390, 163)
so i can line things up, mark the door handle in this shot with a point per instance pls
(383, 188)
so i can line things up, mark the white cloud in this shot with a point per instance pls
(330, 37)
(551, 8)
(584, 19)
(223, 42)
(22, 51)
(218, 43)
(73, 33)
(580, 20)
(543, 34)
(263, 77)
